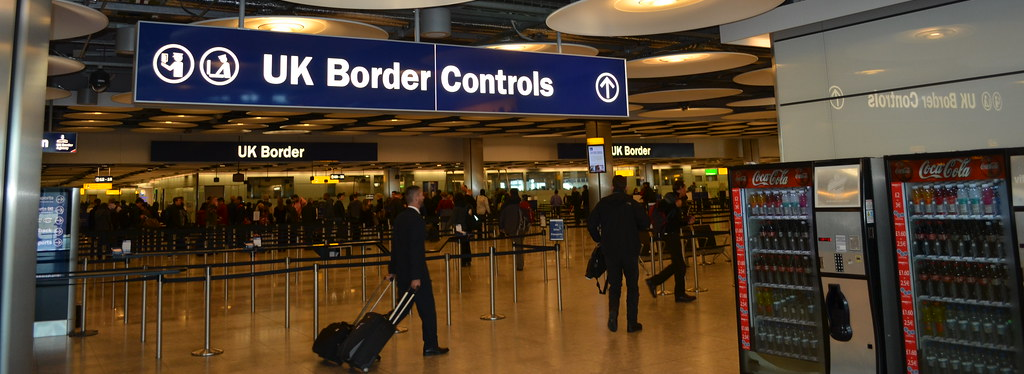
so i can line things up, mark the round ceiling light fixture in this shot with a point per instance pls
(644, 17)
(652, 5)
(378, 4)
(547, 47)
(689, 63)
(302, 25)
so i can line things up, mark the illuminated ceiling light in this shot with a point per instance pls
(869, 72)
(651, 5)
(935, 33)
(567, 48)
(303, 25)
(677, 58)
(281, 26)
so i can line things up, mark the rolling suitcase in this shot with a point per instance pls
(373, 332)
(328, 342)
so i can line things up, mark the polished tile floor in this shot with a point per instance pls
(698, 337)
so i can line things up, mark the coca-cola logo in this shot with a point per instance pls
(902, 171)
(803, 177)
(953, 168)
(741, 180)
(778, 177)
(992, 168)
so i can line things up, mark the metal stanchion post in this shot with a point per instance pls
(515, 278)
(252, 282)
(558, 274)
(448, 285)
(126, 293)
(362, 269)
(142, 317)
(654, 244)
(493, 316)
(458, 272)
(696, 280)
(83, 332)
(287, 292)
(225, 280)
(316, 299)
(159, 315)
(206, 351)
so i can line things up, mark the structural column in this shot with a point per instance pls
(392, 181)
(24, 43)
(600, 184)
(473, 164)
(647, 173)
(751, 150)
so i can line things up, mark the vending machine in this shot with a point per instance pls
(811, 267)
(958, 262)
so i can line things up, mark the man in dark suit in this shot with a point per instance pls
(615, 223)
(408, 266)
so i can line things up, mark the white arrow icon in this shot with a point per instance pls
(607, 87)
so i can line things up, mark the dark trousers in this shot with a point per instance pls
(677, 268)
(617, 268)
(424, 301)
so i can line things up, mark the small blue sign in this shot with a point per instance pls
(54, 231)
(60, 142)
(213, 66)
(556, 230)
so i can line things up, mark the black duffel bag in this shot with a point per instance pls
(597, 267)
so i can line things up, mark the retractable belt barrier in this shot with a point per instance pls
(161, 275)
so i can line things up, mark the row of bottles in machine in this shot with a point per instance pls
(964, 280)
(944, 358)
(974, 325)
(783, 235)
(959, 238)
(785, 339)
(784, 269)
(975, 198)
(789, 202)
(785, 304)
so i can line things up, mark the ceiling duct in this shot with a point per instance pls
(125, 44)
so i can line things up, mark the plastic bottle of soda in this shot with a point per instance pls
(928, 199)
(803, 202)
(962, 200)
(916, 200)
(974, 198)
(987, 199)
(950, 199)
(940, 199)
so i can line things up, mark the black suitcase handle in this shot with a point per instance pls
(404, 304)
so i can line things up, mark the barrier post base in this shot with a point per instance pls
(83, 333)
(492, 317)
(207, 352)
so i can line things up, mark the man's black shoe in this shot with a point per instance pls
(613, 324)
(652, 287)
(436, 351)
(634, 327)
(684, 298)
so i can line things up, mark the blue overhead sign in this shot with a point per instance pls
(211, 66)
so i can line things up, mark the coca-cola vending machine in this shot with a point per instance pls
(810, 267)
(958, 262)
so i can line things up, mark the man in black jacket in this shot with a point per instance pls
(615, 224)
(675, 208)
(408, 266)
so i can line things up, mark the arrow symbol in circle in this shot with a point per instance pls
(607, 87)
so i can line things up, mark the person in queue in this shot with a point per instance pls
(514, 222)
(408, 266)
(676, 210)
(615, 224)
(459, 222)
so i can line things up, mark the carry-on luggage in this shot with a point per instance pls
(364, 344)
(328, 342)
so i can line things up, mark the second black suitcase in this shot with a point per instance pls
(372, 333)
(330, 338)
